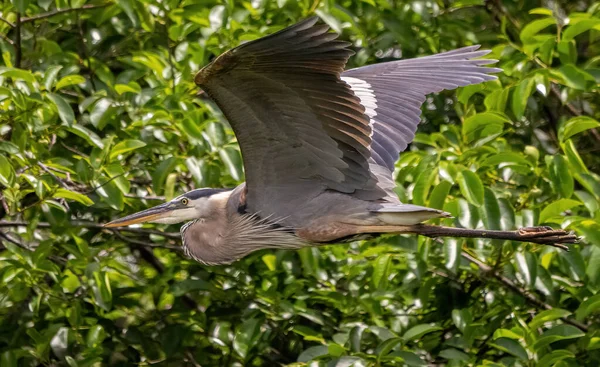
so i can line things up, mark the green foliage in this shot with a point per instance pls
(100, 115)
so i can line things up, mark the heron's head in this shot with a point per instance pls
(195, 204)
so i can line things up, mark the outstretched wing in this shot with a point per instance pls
(301, 129)
(393, 92)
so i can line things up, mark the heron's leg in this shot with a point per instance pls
(540, 235)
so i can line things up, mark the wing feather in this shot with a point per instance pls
(299, 126)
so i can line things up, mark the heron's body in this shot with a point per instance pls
(319, 144)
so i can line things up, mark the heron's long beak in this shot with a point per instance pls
(149, 215)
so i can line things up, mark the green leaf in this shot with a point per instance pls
(7, 173)
(246, 337)
(506, 159)
(111, 194)
(190, 285)
(587, 307)
(483, 127)
(567, 52)
(577, 125)
(125, 146)
(557, 333)
(191, 129)
(90, 136)
(68, 81)
(492, 215)
(18, 74)
(65, 112)
(527, 265)
(312, 353)
(381, 269)
(533, 28)
(471, 187)
(50, 75)
(95, 336)
(574, 77)
(520, 95)
(418, 331)
(575, 162)
(556, 209)
(131, 87)
(72, 195)
(560, 177)
(546, 316)
(575, 29)
(102, 291)
(439, 194)
(512, 347)
(496, 101)
(162, 171)
(552, 358)
(21, 5)
(385, 347)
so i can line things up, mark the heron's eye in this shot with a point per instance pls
(185, 201)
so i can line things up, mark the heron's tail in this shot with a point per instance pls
(406, 214)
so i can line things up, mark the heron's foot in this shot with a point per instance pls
(548, 236)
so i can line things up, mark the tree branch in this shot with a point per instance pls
(62, 11)
(508, 283)
(11, 24)
(18, 50)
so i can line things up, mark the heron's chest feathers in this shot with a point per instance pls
(226, 238)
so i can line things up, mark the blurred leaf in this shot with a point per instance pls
(562, 181)
(159, 177)
(246, 337)
(512, 347)
(65, 112)
(7, 173)
(471, 187)
(483, 127)
(546, 316)
(557, 333)
(68, 81)
(588, 307)
(577, 125)
(312, 353)
(579, 27)
(72, 195)
(520, 95)
(534, 27)
(418, 331)
(556, 209)
(125, 146)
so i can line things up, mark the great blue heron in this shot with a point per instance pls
(319, 146)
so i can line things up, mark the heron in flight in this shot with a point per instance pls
(319, 146)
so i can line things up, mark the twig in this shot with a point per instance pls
(83, 224)
(62, 11)
(11, 42)
(515, 288)
(11, 24)
(14, 242)
(55, 177)
(145, 244)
